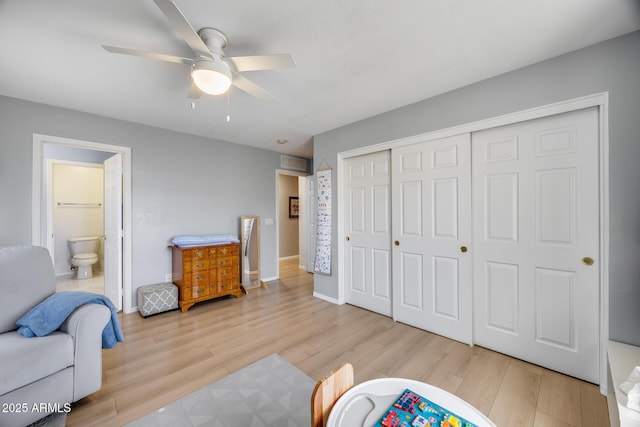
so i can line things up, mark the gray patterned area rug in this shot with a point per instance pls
(269, 392)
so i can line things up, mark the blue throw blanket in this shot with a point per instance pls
(47, 316)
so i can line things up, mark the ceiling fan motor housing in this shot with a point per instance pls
(215, 40)
(212, 75)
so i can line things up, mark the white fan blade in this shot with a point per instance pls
(150, 55)
(250, 87)
(262, 62)
(183, 27)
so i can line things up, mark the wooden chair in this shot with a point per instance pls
(327, 391)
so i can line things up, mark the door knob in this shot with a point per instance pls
(397, 243)
(347, 238)
(587, 260)
(463, 249)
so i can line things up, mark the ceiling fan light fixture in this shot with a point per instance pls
(212, 77)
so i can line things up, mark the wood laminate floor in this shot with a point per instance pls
(172, 354)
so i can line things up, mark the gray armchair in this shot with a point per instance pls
(42, 375)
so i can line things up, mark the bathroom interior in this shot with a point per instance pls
(78, 218)
(76, 210)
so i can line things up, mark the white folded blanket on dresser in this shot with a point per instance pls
(187, 240)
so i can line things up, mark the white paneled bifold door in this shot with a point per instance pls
(489, 238)
(536, 241)
(431, 194)
(367, 254)
(113, 229)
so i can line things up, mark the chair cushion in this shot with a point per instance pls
(25, 360)
(27, 278)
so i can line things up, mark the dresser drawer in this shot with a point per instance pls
(227, 285)
(186, 265)
(186, 280)
(227, 273)
(200, 265)
(197, 254)
(225, 262)
(213, 288)
(199, 291)
(228, 250)
(195, 292)
(213, 253)
(200, 278)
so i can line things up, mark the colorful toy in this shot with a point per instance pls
(451, 420)
(420, 412)
(407, 402)
(390, 419)
(420, 421)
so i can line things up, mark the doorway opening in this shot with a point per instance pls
(50, 150)
(75, 217)
(292, 226)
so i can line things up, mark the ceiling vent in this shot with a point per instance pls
(293, 163)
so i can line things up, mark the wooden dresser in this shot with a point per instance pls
(205, 272)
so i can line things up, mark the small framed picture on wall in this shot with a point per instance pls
(294, 207)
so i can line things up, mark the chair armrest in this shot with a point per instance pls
(85, 325)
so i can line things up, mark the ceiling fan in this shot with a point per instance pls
(212, 72)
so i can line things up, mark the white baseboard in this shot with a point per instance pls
(326, 298)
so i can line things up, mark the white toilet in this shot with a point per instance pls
(84, 253)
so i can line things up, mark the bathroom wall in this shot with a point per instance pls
(77, 208)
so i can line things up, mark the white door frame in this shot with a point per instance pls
(304, 222)
(39, 142)
(600, 100)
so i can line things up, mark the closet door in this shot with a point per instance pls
(432, 233)
(536, 230)
(367, 220)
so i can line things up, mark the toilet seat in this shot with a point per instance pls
(85, 257)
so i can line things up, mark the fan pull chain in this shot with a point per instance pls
(228, 106)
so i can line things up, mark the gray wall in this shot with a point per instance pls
(288, 227)
(612, 66)
(182, 184)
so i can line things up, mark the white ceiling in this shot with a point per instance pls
(354, 58)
